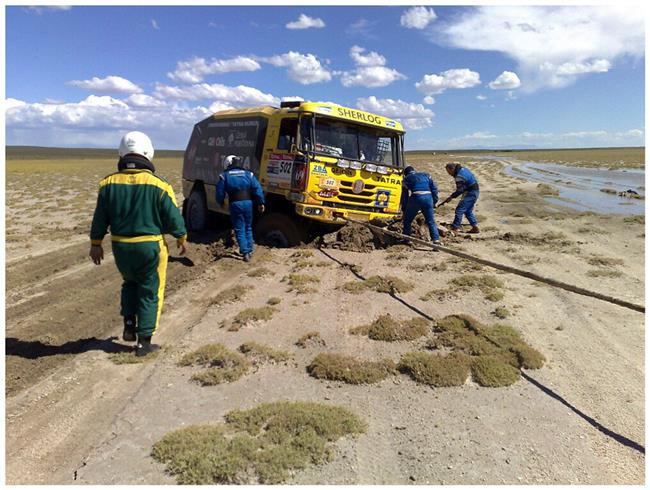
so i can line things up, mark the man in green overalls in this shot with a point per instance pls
(139, 207)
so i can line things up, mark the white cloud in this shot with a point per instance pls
(429, 100)
(241, 95)
(370, 71)
(304, 69)
(40, 10)
(370, 59)
(481, 97)
(552, 45)
(11, 103)
(305, 22)
(110, 84)
(417, 17)
(455, 78)
(412, 116)
(142, 100)
(362, 28)
(506, 81)
(194, 70)
(154, 24)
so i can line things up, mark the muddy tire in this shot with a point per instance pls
(279, 230)
(196, 211)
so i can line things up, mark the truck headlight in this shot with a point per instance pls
(371, 167)
(343, 164)
(382, 170)
(356, 165)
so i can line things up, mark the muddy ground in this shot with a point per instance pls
(73, 416)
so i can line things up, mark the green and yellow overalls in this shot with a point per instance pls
(139, 207)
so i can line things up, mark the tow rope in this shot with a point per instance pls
(506, 268)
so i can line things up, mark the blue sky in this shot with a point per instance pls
(457, 77)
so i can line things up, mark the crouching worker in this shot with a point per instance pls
(241, 187)
(467, 185)
(423, 197)
(138, 207)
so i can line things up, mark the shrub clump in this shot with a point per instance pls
(230, 295)
(381, 284)
(492, 372)
(501, 312)
(389, 329)
(250, 315)
(310, 339)
(259, 353)
(260, 445)
(489, 285)
(223, 365)
(338, 367)
(435, 370)
(301, 283)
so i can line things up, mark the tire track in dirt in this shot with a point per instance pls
(61, 308)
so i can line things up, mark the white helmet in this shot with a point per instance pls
(232, 160)
(136, 142)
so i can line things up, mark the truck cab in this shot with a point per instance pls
(317, 162)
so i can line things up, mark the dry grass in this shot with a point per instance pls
(440, 294)
(501, 312)
(273, 300)
(301, 283)
(259, 353)
(547, 190)
(249, 315)
(604, 273)
(602, 261)
(230, 295)
(338, 367)
(492, 372)
(129, 357)
(435, 370)
(310, 339)
(260, 272)
(489, 285)
(381, 284)
(428, 266)
(223, 365)
(264, 444)
(389, 329)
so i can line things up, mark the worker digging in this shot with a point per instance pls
(467, 186)
(138, 207)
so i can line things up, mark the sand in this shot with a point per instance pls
(73, 416)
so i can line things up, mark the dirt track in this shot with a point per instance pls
(74, 416)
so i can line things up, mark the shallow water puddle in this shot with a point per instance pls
(580, 187)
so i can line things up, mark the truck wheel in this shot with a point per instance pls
(279, 230)
(196, 211)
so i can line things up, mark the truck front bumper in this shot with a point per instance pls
(332, 215)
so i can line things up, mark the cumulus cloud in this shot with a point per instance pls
(143, 100)
(552, 45)
(362, 28)
(455, 78)
(506, 81)
(240, 95)
(481, 97)
(417, 17)
(429, 100)
(40, 10)
(196, 69)
(304, 69)
(412, 116)
(370, 71)
(111, 84)
(305, 22)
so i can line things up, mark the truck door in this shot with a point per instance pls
(279, 158)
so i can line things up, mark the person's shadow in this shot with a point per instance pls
(34, 349)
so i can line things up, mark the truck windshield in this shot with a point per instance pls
(355, 142)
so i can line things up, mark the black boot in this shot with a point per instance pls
(145, 347)
(129, 328)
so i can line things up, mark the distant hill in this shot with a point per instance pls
(45, 153)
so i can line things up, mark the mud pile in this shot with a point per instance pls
(358, 238)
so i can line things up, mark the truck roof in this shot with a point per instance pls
(323, 108)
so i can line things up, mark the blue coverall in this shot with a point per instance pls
(423, 197)
(242, 187)
(467, 185)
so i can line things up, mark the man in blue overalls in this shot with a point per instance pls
(467, 185)
(423, 197)
(242, 188)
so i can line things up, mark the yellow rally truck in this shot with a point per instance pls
(316, 162)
